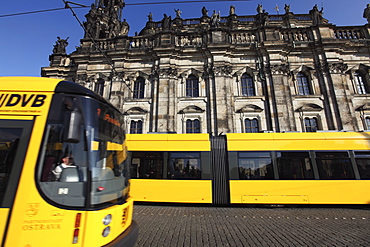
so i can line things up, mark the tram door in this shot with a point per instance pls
(14, 138)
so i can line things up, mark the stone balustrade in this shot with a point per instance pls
(348, 33)
(295, 35)
(139, 42)
(243, 38)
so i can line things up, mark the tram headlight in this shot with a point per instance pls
(107, 219)
(106, 231)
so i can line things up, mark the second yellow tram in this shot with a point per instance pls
(256, 168)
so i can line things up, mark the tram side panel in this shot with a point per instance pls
(299, 169)
(170, 168)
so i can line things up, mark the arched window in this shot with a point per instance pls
(99, 87)
(247, 85)
(360, 81)
(192, 86)
(251, 125)
(303, 84)
(192, 126)
(139, 87)
(311, 124)
(136, 127)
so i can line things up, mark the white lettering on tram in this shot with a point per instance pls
(42, 225)
(38, 227)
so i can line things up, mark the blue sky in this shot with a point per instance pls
(27, 40)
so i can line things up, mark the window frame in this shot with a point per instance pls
(192, 87)
(139, 88)
(250, 127)
(193, 126)
(360, 83)
(99, 86)
(247, 86)
(303, 84)
(136, 129)
(307, 127)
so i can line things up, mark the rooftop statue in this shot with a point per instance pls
(287, 8)
(60, 46)
(316, 15)
(204, 11)
(178, 13)
(367, 13)
(215, 19)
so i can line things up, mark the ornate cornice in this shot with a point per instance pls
(169, 72)
(280, 69)
(337, 68)
(225, 70)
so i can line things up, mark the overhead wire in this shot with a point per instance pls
(126, 4)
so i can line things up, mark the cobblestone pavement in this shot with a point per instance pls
(164, 225)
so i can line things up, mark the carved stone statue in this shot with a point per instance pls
(287, 8)
(367, 13)
(316, 15)
(60, 46)
(166, 22)
(204, 12)
(150, 17)
(215, 19)
(232, 10)
(259, 9)
(125, 27)
(178, 13)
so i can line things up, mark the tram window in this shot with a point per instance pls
(334, 165)
(294, 165)
(9, 139)
(363, 164)
(184, 165)
(147, 165)
(255, 165)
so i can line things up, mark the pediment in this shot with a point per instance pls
(191, 109)
(249, 108)
(309, 108)
(135, 111)
(365, 107)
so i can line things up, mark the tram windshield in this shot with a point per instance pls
(81, 162)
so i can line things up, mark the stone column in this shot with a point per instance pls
(223, 99)
(342, 95)
(283, 98)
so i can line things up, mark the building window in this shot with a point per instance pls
(311, 124)
(192, 126)
(303, 85)
(139, 86)
(192, 86)
(136, 127)
(251, 125)
(99, 87)
(247, 85)
(367, 123)
(360, 82)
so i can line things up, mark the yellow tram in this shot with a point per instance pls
(63, 177)
(251, 168)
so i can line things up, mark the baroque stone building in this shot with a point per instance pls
(221, 74)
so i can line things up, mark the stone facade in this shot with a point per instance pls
(221, 74)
